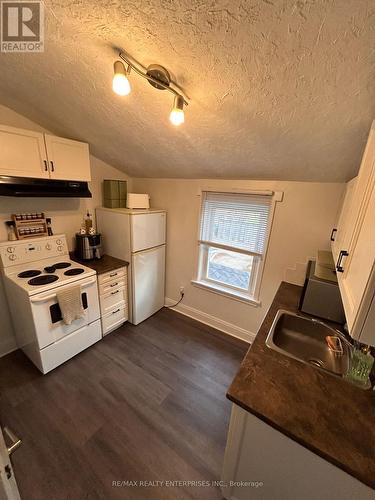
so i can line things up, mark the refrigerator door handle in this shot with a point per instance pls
(151, 249)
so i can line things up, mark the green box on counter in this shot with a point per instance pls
(109, 203)
(123, 190)
(111, 189)
(114, 193)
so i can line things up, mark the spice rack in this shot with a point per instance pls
(30, 225)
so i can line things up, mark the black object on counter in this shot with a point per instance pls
(88, 246)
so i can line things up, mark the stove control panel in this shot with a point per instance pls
(31, 250)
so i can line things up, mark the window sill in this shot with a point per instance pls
(230, 295)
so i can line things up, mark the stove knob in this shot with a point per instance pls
(13, 257)
(60, 248)
(10, 249)
(48, 246)
(58, 242)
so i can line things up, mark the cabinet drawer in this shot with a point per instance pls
(112, 286)
(111, 275)
(112, 300)
(114, 319)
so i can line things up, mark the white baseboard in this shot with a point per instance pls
(207, 319)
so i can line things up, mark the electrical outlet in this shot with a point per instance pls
(182, 290)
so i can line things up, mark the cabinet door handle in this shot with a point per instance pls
(113, 293)
(52, 166)
(45, 165)
(15, 441)
(114, 284)
(339, 267)
(113, 274)
(117, 310)
(333, 234)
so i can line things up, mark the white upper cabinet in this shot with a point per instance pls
(357, 268)
(22, 153)
(342, 234)
(363, 189)
(68, 160)
(355, 252)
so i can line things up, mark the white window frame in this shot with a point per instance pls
(251, 296)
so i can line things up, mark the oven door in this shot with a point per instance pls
(49, 326)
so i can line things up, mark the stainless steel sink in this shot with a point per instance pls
(310, 341)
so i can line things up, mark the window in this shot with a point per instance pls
(233, 238)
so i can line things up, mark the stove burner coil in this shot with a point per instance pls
(29, 274)
(43, 280)
(62, 265)
(74, 271)
(58, 265)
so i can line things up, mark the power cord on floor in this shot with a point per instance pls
(176, 304)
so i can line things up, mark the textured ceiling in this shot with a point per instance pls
(280, 89)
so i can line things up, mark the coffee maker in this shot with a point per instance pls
(88, 246)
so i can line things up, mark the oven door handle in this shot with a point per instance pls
(52, 296)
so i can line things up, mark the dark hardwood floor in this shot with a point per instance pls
(147, 403)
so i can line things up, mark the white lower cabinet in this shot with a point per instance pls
(113, 298)
(114, 319)
(262, 463)
(111, 286)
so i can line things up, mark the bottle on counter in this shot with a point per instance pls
(361, 365)
(88, 222)
(49, 227)
(11, 227)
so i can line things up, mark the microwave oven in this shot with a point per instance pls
(321, 297)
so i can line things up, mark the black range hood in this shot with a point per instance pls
(46, 188)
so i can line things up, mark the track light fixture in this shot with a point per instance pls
(120, 83)
(157, 76)
(177, 116)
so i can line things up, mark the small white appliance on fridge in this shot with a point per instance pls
(137, 236)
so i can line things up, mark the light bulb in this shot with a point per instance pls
(121, 85)
(120, 82)
(177, 116)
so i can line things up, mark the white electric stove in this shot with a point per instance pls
(33, 270)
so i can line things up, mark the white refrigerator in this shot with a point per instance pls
(137, 236)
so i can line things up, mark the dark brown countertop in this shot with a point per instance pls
(103, 265)
(326, 414)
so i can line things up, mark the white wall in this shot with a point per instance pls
(302, 225)
(66, 213)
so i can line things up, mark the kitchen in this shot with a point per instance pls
(251, 178)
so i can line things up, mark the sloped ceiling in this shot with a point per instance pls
(280, 89)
